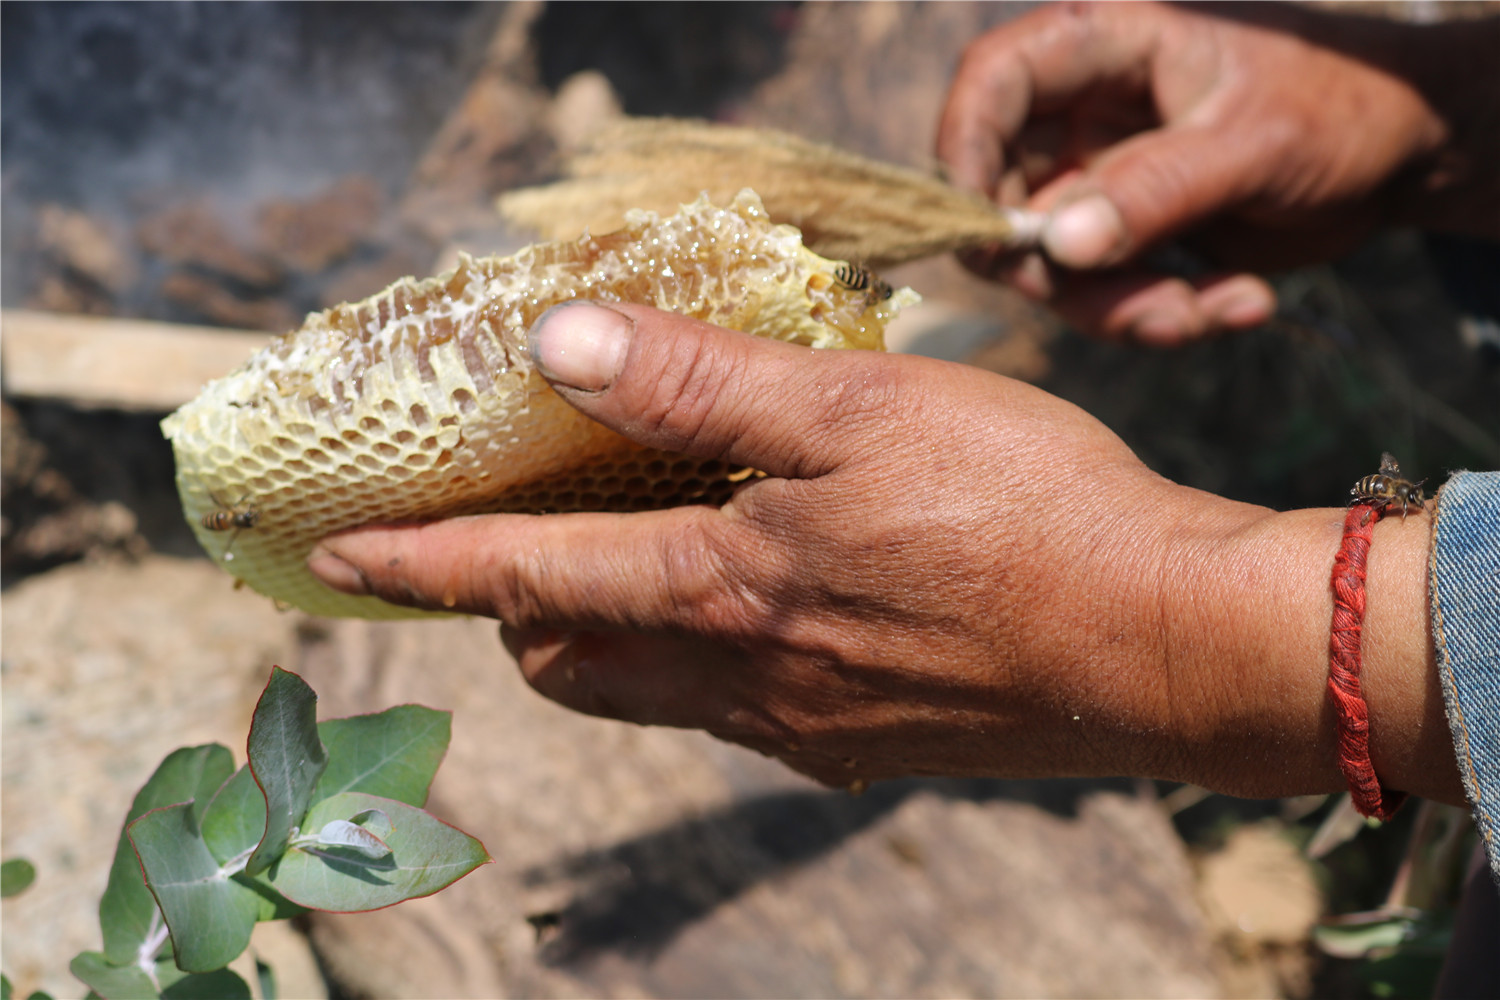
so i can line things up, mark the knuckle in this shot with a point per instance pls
(711, 584)
(507, 585)
(869, 398)
(868, 393)
(682, 387)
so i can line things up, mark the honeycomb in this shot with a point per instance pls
(421, 402)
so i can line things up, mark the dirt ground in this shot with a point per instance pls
(242, 165)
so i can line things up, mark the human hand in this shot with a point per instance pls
(1262, 137)
(945, 571)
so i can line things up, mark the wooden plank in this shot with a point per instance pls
(122, 364)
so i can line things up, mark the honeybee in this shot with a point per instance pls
(233, 518)
(1387, 487)
(858, 279)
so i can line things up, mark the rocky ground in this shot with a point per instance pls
(628, 861)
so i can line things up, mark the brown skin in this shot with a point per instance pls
(1262, 136)
(946, 572)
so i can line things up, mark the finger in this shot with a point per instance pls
(667, 681)
(1031, 67)
(678, 568)
(1152, 187)
(652, 680)
(677, 384)
(1149, 308)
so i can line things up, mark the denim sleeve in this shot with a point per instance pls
(1464, 577)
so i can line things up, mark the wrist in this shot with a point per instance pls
(1248, 634)
(1411, 746)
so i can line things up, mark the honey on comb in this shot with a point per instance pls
(421, 403)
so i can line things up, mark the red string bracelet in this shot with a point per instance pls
(1344, 664)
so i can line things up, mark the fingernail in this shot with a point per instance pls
(1087, 233)
(336, 572)
(580, 344)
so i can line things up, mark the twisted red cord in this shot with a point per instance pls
(1344, 664)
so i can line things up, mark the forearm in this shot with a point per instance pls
(1249, 635)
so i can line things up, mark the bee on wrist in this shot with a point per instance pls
(1386, 488)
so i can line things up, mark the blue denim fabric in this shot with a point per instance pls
(1464, 578)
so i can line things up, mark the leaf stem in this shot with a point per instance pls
(145, 956)
(236, 864)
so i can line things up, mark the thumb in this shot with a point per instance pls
(1143, 191)
(677, 384)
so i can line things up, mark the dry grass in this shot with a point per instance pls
(848, 207)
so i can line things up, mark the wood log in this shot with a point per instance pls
(111, 363)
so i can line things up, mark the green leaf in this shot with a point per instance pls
(426, 855)
(344, 833)
(232, 826)
(393, 754)
(127, 913)
(235, 819)
(1356, 940)
(376, 821)
(273, 905)
(16, 876)
(286, 758)
(209, 915)
(5, 987)
(131, 982)
(123, 982)
(221, 984)
(266, 978)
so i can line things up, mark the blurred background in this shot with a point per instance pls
(237, 165)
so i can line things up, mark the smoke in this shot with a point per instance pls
(102, 103)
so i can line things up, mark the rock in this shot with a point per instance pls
(212, 301)
(583, 104)
(360, 280)
(655, 862)
(79, 529)
(1261, 899)
(494, 139)
(60, 292)
(193, 233)
(47, 519)
(310, 235)
(86, 245)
